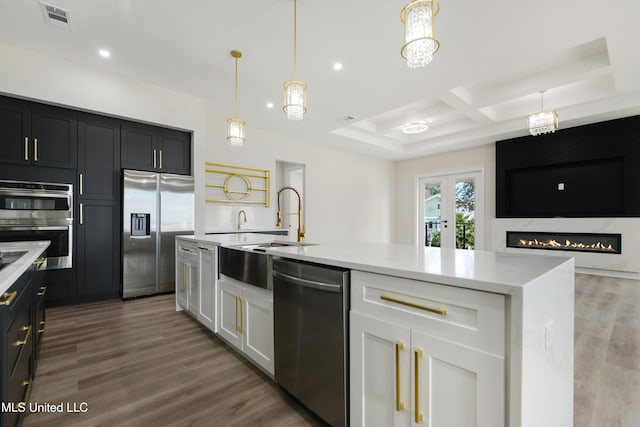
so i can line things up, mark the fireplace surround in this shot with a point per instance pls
(607, 243)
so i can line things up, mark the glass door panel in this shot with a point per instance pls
(447, 214)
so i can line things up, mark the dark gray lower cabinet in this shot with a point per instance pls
(98, 251)
(21, 327)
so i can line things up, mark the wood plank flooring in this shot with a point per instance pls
(139, 363)
(607, 352)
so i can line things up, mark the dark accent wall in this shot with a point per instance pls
(597, 164)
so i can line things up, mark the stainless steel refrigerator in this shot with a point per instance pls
(156, 207)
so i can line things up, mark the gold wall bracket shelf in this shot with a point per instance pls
(237, 184)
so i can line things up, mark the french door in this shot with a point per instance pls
(449, 210)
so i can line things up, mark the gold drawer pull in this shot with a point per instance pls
(42, 327)
(26, 148)
(43, 290)
(440, 311)
(8, 297)
(416, 385)
(27, 334)
(27, 384)
(399, 403)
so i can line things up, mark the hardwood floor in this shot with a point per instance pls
(141, 363)
(607, 352)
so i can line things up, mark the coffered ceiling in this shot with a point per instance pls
(495, 57)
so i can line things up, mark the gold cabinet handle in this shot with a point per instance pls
(27, 334)
(8, 297)
(154, 158)
(416, 385)
(42, 291)
(81, 214)
(399, 403)
(35, 149)
(237, 300)
(42, 327)
(160, 159)
(440, 311)
(81, 183)
(27, 391)
(26, 148)
(242, 330)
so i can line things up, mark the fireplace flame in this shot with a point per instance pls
(568, 244)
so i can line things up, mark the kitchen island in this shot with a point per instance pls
(470, 337)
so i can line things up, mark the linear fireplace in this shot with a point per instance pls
(582, 242)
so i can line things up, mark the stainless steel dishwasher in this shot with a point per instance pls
(310, 315)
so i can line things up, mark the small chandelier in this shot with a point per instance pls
(235, 126)
(295, 91)
(544, 121)
(419, 42)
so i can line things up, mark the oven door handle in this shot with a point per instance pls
(327, 287)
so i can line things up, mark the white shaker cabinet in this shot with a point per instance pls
(207, 278)
(186, 275)
(419, 356)
(245, 320)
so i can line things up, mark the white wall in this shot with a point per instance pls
(409, 171)
(347, 196)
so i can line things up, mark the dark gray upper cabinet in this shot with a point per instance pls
(54, 132)
(37, 135)
(155, 149)
(174, 152)
(98, 157)
(15, 128)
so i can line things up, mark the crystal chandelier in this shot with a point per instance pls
(544, 121)
(295, 91)
(419, 42)
(235, 126)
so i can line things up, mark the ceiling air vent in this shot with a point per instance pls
(55, 16)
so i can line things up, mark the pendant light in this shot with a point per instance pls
(235, 126)
(420, 43)
(295, 91)
(542, 122)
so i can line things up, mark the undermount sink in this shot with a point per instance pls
(261, 247)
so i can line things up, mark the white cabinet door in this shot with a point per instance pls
(258, 326)
(207, 278)
(182, 285)
(192, 280)
(379, 373)
(456, 385)
(230, 312)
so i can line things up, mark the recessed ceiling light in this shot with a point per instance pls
(104, 53)
(415, 127)
(269, 104)
(337, 66)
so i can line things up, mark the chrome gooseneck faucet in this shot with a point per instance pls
(245, 217)
(301, 233)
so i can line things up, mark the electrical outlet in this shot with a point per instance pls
(548, 334)
(561, 186)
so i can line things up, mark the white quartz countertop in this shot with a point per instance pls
(499, 272)
(13, 271)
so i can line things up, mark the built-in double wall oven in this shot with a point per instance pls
(32, 211)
